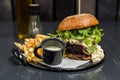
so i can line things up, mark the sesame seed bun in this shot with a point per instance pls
(78, 21)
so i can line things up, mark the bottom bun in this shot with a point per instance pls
(78, 56)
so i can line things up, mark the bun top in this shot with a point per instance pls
(78, 21)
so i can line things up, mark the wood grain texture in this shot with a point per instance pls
(107, 10)
(88, 6)
(5, 10)
(56, 10)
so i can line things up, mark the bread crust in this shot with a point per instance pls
(78, 57)
(78, 21)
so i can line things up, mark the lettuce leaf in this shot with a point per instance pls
(91, 49)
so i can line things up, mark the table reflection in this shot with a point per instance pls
(92, 74)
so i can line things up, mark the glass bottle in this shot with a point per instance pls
(22, 10)
(35, 26)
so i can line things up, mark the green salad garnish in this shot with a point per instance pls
(90, 36)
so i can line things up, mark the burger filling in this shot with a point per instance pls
(89, 37)
(74, 49)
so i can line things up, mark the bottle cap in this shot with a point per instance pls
(34, 9)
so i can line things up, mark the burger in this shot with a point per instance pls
(81, 34)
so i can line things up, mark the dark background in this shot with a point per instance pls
(56, 10)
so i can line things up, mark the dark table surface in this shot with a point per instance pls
(12, 69)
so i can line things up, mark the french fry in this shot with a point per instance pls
(42, 36)
(25, 49)
(40, 51)
(18, 45)
(28, 47)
